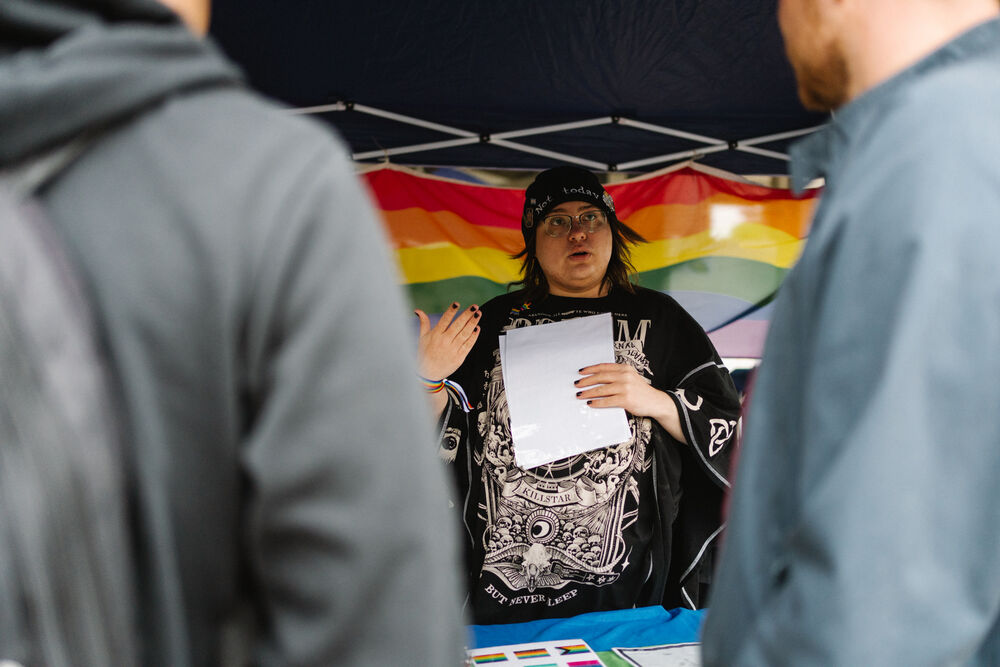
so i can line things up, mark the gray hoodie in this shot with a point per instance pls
(286, 501)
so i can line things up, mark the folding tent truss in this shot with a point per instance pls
(466, 137)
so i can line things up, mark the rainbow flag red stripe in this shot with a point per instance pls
(585, 663)
(718, 244)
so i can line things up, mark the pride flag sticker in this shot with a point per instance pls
(573, 649)
(561, 653)
(527, 654)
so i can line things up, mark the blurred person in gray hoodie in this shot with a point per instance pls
(286, 504)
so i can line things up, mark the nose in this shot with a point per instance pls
(576, 230)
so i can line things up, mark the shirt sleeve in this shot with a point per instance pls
(706, 399)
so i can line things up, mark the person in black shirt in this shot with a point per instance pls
(628, 525)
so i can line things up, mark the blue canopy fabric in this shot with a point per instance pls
(713, 68)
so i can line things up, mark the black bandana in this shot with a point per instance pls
(557, 186)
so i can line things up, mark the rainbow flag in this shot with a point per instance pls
(584, 663)
(574, 648)
(717, 244)
(527, 654)
(490, 658)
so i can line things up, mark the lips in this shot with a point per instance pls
(580, 253)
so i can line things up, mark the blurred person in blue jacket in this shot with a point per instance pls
(865, 520)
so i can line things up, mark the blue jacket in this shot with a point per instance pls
(865, 521)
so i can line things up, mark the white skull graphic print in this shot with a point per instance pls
(559, 523)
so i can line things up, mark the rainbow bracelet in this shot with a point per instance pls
(453, 388)
(431, 386)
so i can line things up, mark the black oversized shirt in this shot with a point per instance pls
(595, 531)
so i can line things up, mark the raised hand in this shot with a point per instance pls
(621, 386)
(443, 347)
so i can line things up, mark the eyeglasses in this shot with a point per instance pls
(559, 225)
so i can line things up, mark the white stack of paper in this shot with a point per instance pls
(540, 365)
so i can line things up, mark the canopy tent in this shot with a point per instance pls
(612, 85)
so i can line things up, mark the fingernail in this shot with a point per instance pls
(473, 308)
(476, 330)
(578, 393)
(477, 315)
(580, 371)
(577, 381)
(589, 402)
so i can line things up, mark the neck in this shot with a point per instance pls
(194, 13)
(893, 35)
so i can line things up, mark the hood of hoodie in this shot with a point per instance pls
(72, 66)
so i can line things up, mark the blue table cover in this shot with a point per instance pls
(602, 630)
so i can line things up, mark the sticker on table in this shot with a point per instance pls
(668, 655)
(563, 653)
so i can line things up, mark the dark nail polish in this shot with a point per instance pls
(477, 315)
(454, 304)
(577, 381)
(578, 393)
(589, 402)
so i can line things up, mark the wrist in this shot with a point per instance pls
(669, 417)
(449, 388)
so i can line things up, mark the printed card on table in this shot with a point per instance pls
(563, 653)
(668, 655)
(540, 364)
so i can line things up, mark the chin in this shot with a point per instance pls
(821, 100)
(823, 83)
